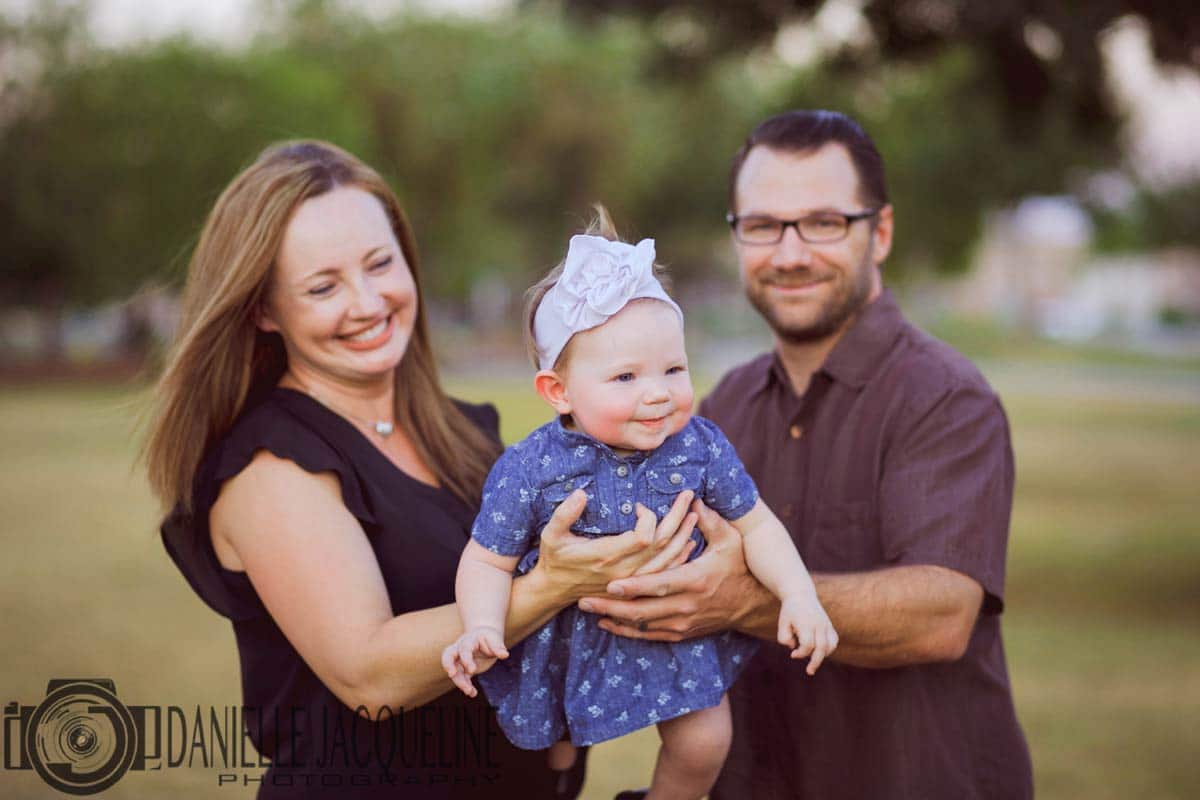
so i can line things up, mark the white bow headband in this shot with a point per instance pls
(599, 278)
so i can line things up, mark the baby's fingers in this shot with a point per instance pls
(492, 645)
(786, 635)
(805, 642)
(450, 659)
(463, 681)
(826, 643)
(466, 654)
(458, 676)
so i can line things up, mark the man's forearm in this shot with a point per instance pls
(884, 618)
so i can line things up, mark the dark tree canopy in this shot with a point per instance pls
(921, 30)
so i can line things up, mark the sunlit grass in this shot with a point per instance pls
(1101, 625)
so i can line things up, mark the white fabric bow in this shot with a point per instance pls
(599, 278)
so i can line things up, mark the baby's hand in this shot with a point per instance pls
(804, 627)
(472, 653)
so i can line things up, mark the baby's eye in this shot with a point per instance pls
(676, 370)
(380, 266)
(624, 377)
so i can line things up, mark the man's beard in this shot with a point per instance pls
(832, 317)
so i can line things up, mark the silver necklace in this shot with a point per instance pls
(382, 427)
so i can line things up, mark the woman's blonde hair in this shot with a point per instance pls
(221, 361)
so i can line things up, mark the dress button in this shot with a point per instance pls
(623, 470)
(569, 485)
(627, 507)
(789, 510)
(796, 431)
(676, 478)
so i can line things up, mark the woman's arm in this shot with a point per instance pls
(315, 571)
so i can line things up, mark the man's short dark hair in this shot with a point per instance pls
(808, 130)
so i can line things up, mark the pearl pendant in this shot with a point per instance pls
(384, 428)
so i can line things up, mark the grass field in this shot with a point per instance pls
(1102, 626)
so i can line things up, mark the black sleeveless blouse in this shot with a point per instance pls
(450, 747)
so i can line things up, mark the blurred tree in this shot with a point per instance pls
(499, 134)
(1043, 52)
(973, 103)
(116, 164)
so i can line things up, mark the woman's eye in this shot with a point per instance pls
(380, 266)
(322, 290)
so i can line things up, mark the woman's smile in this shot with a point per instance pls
(375, 336)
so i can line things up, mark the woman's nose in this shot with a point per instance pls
(368, 300)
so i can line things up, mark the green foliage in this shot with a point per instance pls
(117, 165)
(945, 142)
(498, 136)
(1154, 219)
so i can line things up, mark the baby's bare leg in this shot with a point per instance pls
(561, 756)
(693, 750)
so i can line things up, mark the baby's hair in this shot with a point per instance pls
(600, 225)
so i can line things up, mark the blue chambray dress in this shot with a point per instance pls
(570, 676)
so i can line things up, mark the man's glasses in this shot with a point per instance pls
(824, 227)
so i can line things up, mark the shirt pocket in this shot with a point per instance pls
(664, 484)
(843, 538)
(559, 490)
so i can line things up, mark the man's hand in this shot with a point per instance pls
(713, 593)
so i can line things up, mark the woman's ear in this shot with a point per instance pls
(550, 385)
(264, 319)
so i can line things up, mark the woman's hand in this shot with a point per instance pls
(575, 566)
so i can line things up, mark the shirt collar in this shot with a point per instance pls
(575, 438)
(868, 340)
(856, 355)
(760, 372)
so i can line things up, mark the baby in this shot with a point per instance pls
(610, 350)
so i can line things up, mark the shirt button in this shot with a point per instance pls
(627, 507)
(789, 510)
(569, 485)
(676, 478)
(796, 431)
(622, 470)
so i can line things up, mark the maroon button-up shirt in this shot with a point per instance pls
(898, 453)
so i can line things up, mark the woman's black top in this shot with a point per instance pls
(450, 747)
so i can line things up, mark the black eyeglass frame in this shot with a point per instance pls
(784, 224)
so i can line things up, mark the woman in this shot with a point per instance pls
(323, 486)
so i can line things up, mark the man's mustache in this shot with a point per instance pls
(800, 276)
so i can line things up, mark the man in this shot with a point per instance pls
(887, 456)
